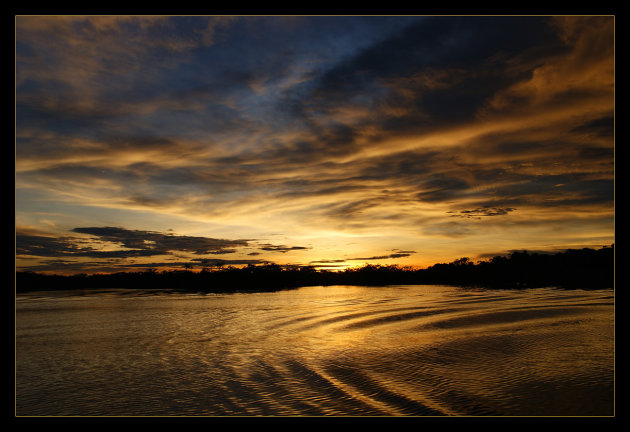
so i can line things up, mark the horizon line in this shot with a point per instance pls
(334, 267)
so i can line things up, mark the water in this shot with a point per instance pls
(316, 351)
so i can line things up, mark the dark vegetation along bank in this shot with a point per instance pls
(583, 268)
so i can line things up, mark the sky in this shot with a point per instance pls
(329, 141)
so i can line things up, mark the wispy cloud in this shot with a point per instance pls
(281, 248)
(395, 131)
(380, 257)
(483, 212)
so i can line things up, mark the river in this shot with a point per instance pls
(316, 351)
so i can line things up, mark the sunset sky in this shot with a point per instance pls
(332, 141)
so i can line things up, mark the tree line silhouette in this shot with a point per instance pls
(574, 268)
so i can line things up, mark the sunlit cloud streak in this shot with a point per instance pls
(404, 132)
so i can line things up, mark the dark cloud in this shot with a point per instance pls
(45, 246)
(380, 257)
(139, 143)
(140, 243)
(354, 122)
(551, 251)
(408, 165)
(349, 209)
(442, 187)
(147, 201)
(281, 248)
(604, 155)
(575, 190)
(137, 243)
(120, 253)
(71, 247)
(314, 188)
(449, 229)
(438, 71)
(85, 173)
(72, 145)
(433, 68)
(483, 212)
(60, 266)
(601, 127)
(220, 262)
(482, 44)
(327, 261)
(155, 241)
(319, 143)
(186, 73)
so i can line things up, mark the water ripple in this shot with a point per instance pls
(319, 351)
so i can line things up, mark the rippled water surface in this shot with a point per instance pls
(342, 350)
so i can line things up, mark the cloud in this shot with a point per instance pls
(165, 243)
(70, 266)
(118, 247)
(220, 262)
(89, 47)
(281, 248)
(439, 73)
(351, 209)
(583, 69)
(602, 127)
(328, 261)
(449, 229)
(137, 243)
(41, 246)
(432, 50)
(411, 127)
(483, 212)
(380, 257)
(442, 187)
(37, 245)
(77, 75)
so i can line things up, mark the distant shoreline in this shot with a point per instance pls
(574, 268)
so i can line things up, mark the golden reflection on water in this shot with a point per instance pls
(418, 350)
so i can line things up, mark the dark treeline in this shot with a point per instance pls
(583, 268)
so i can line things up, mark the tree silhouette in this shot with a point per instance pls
(574, 268)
